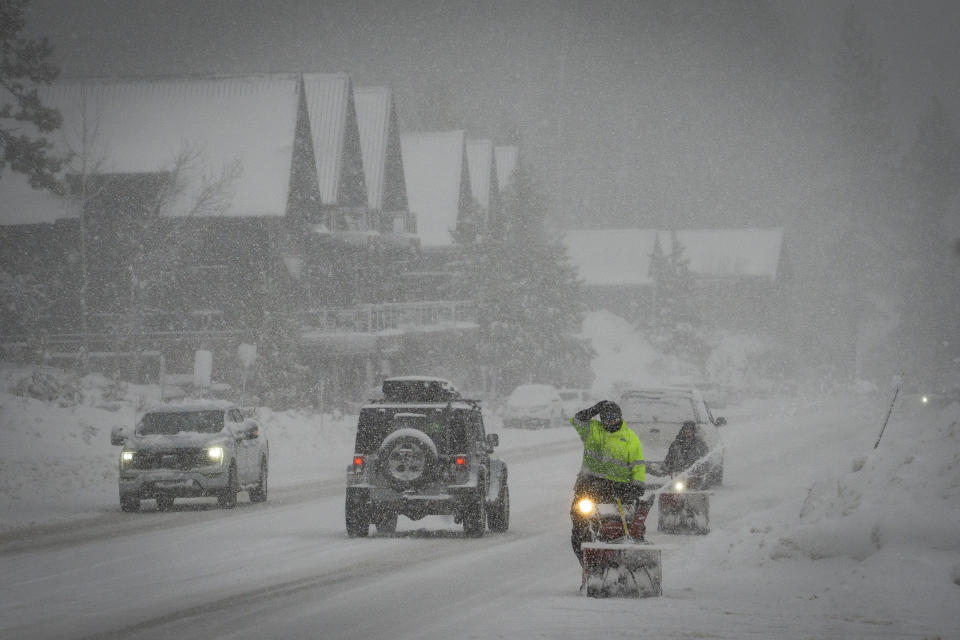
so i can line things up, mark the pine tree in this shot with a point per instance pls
(531, 304)
(24, 66)
(676, 326)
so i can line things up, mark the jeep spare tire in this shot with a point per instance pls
(408, 458)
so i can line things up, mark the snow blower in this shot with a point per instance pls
(617, 561)
(682, 510)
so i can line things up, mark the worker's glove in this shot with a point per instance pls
(584, 415)
(636, 491)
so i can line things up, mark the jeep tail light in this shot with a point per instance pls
(358, 463)
(461, 462)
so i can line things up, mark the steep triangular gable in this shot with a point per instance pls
(140, 126)
(484, 183)
(336, 139)
(438, 183)
(507, 159)
(481, 165)
(380, 144)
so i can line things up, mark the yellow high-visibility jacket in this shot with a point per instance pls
(617, 456)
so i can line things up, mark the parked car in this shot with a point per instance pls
(533, 405)
(656, 415)
(201, 448)
(422, 450)
(574, 400)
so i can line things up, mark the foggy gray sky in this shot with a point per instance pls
(698, 114)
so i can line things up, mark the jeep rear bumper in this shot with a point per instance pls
(416, 504)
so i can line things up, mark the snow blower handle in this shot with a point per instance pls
(623, 519)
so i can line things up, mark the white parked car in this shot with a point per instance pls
(574, 400)
(533, 405)
(656, 414)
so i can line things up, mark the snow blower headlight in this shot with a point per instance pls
(679, 485)
(586, 506)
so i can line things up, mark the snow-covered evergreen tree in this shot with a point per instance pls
(675, 325)
(530, 302)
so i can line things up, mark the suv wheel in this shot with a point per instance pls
(129, 503)
(164, 502)
(259, 492)
(228, 499)
(407, 458)
(498, 515)
(475, 516)
(357, 513)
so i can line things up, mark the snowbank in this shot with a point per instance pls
(904, 493)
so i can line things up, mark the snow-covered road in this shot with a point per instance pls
(287, 569)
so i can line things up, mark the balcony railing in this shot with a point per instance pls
(374, 318)
(109, 329)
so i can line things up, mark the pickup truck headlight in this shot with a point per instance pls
(126, 457)
(215, 454)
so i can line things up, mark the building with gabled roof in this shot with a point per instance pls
(731, 254)
(140, 127)
(438, 184)
(484, 187)
(508, 160)
(382, 158)
(733, 270)
(293, 230)
(336, 148)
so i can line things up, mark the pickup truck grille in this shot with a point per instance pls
(183, 459)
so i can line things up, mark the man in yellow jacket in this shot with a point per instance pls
(612, 467)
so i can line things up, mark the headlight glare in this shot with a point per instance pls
(215, 453)
(585, 506)
(127, 456)
(679, 486)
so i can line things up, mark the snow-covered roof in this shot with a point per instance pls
(483, 177)
(433, 164)
(140, 126)
(373, 120)
(507, 159)
(611, 256)
(622, 256)
(722, 253)
(333, 124)
(380, 145)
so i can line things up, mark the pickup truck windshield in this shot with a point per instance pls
(169, 423)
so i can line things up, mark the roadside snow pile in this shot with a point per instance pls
(53, 459)
(905, 492)
(885, 521)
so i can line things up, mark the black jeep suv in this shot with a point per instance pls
(421, 450)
